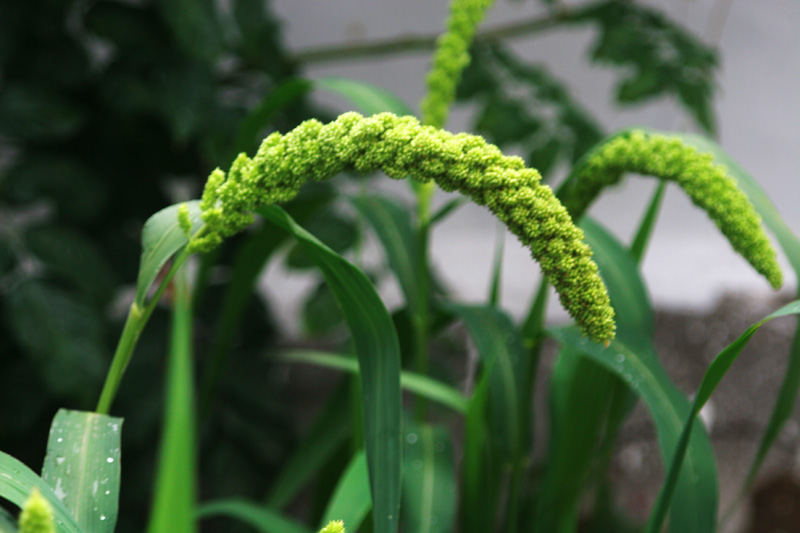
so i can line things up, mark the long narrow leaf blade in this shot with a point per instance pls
(162, 237)
(714, 374)
(394, 229)
(264, 520)
(694, 507)
(369, 98)
(17, 481)
(330, 430)
(82, 466)
(350, 501)
(790, 244)
(429, 482)
(503, 357)
(174, 500)
(253, 124)
(378, 350)
(410, 381)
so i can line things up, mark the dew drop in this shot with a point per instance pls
(110, 460)
(411, 438)
(620, 358)
(102, 517)
(59, 460)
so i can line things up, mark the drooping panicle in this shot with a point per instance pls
(709, 186)
(402, 148)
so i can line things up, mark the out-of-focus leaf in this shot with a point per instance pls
(416, 383)
(17, 481)
(184, 95)
(32, 112)
(195, 25)
(74, 258)
(329, 431)
(378, 350)
(350, 501)
(261, 37)
(481, 468)
(503, 358)
(429, 481)
(694, 507)
(162, 237)
(133, 29)
(714, 374)
(524, 105)
(659, 56)
(63, 334)
(77, 193)
(173, 507)
(370, 99)
(505, 122)
(83, 467)
(392, 223)
(321, 314)
(248, 134)
(790, 244)
(333, 229)
(260, 518)
(544, 156)
(7, 522)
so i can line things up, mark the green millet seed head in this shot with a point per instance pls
(334, 526)
(36, 515)
(403, 148)
(451, 58)
(184, 222)
(709, 186)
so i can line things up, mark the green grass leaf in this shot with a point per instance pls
(378, 350)
(17, 481)
(503, 358)
(714, 374)
(392, 224)
(8, 524)
(694, 508)
(370, 98)
(350, 501)
(162, 237)
(479, 472)
(429, 482)
(251, 127)
(61, 333)
(418, 384)
(497, 424)
(83, 465)
(790, 244)
(263, 520)
(175, 490)
(325, 437)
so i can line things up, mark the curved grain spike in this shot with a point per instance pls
(401, 147)
(709, 186)
(451, 58)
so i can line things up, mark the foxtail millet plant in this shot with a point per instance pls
(709, 186)
(402, 148)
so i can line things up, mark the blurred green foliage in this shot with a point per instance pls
(110, 110)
